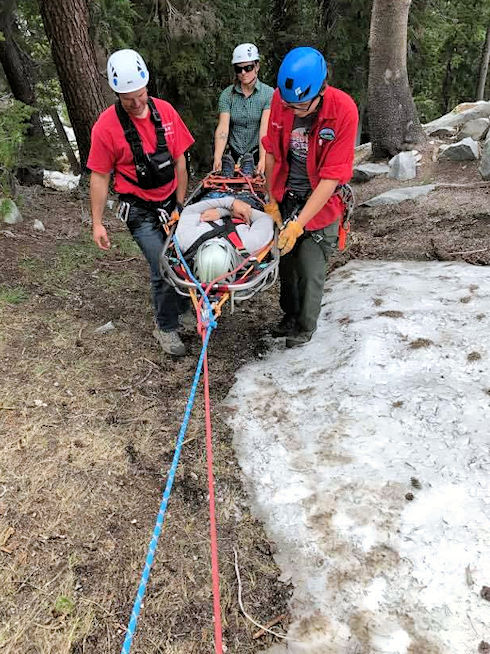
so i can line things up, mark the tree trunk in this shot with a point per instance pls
(60, 130)
(16, 65)
(393, 120)
(485, 58)
(67, 27)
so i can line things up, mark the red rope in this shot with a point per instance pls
(218, 636)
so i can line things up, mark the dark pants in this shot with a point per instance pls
(303, 272)
(146, 231)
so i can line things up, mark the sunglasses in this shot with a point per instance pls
(243, 69)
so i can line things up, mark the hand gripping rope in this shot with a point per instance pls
(209, 325)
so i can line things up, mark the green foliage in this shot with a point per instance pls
(14, 118)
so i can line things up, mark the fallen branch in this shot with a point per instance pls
(463, 186)
(470, 251)
(271, 623)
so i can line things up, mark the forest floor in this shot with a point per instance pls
(88, 424)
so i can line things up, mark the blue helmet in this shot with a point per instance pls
(301, 75)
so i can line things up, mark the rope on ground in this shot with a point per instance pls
(163, 505)
(240, 602)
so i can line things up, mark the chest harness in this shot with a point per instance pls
(152, 170)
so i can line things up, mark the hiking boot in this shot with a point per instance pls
(227, 166)
(170, 342)
(247, 165)
(286, 327)
(187, 320)
(300, 338)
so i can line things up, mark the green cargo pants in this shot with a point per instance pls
(303, 272)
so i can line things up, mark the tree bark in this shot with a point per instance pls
(485, 58)
(393, 122)
(16, 65)
(67, 27)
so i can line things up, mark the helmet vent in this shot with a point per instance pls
(288, 83)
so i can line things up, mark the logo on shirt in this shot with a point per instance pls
(327, 134)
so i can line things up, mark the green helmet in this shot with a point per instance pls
(215, 258)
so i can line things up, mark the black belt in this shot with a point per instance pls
(148, 205)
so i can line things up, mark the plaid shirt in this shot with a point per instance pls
(245, 114)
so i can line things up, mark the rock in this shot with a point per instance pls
(485, 160)
(397, 195)
(362, 152)
(38, 226)
(60, 181)
(365, 172)
(460, 115)
(403, 166)
(9, 212)
(465, 150)
(441, 132)
(476, 129)
(103, 329)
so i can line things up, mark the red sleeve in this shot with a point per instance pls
(182, 138)
(101, 157)
(273, 118)
(340, 157)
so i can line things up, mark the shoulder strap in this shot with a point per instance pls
(157, 121)
(226, 230)
(131, 134)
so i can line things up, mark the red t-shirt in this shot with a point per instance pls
(331, 142)
(110, 151)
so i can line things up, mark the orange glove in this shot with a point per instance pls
(272, 208)
(289, 236)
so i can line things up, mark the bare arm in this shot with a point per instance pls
(99, 188)
(269, 167)
(182, 178)
(221, 139)
(264, 122)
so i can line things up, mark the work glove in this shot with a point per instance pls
(272, 208)
(289, 236)
(175, 215)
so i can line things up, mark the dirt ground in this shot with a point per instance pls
(88, 424)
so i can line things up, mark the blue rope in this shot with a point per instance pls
(173, 468)
(163, 506)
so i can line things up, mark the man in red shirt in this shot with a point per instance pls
(142, 141)
(310, 152)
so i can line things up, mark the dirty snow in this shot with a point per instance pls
(390, 400)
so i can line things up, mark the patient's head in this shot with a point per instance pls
(215, 258)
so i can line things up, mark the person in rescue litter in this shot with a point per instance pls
(244, 109)
(142, 140)
(220, 233)
(310, 152)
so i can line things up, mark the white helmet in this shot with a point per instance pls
(214, 258)
(126, 71)
(245, 52)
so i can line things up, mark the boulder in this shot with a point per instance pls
(397, 195)
(476, 129)
(362, 152)
(460, 115)
(9, 212)
(485, 160)
(403, 166)
(441, 132)
(365, 172)
(465, 150)
(60, 181)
